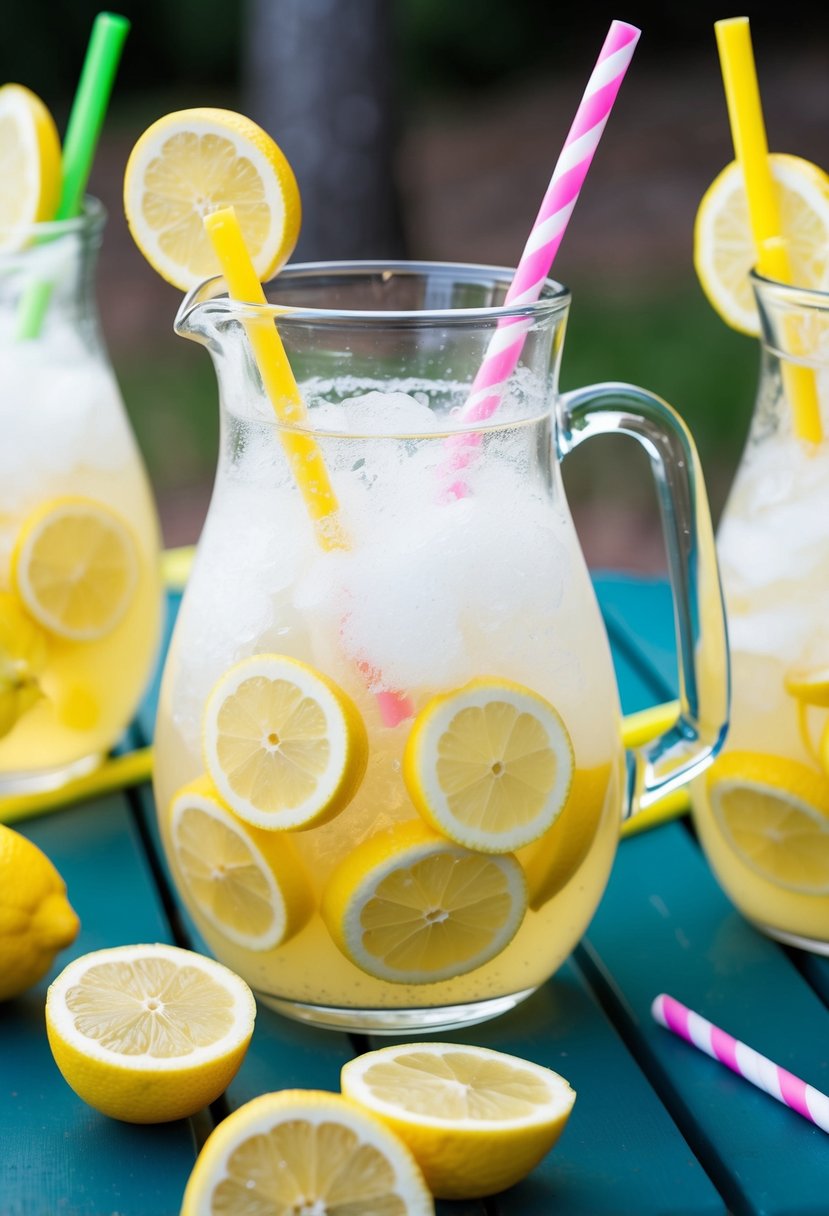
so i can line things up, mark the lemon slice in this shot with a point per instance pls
(476, 1120)
(412, 908)
(247, 883)
(148, 1033)
(552, 860)
(30, 164)
(489, 765)
(75, 567)
(774, 812)
(22, 660)
(286, 747)
(809, 685)
(724, 251)
(305, 1152)
(192, 162)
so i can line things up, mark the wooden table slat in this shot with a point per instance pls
(665, 926)
(607, 1163)
(657, 1127)
(59, 1155)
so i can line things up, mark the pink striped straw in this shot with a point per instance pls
(745, 1061)
(507, 342)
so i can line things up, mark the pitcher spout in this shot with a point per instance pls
(200, 311)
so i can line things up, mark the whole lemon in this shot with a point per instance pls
(36, 918)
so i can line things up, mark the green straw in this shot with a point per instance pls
(86, 118)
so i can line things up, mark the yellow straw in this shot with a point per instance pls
(748, 131)
(305, 457)
(118, 773)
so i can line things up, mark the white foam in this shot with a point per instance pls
(60, 411)
(377, 413)
(775, 528)
(421, 599)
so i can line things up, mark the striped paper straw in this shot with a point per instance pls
(745, 1061)
(507, 342)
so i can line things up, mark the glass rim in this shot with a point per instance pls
(92, 218)
(809, 297)
(555, 297)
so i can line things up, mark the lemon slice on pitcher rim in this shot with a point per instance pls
(75, 567)
(148, 1033)
(285, 747)
(305, 1151)
(246, 882)
(476, 1120)
(489, 765)
(30, 164)
(774, 812)
(410, 907)
(190, 163)
(724, 250)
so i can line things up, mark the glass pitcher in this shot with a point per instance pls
(389, 771)
(762, 810)
(80, 594)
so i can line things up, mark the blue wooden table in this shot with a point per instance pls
(658, 1129)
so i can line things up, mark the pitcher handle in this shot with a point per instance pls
(690, 744)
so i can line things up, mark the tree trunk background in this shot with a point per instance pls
(319, 76)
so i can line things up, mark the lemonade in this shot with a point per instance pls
(80, 595)
(315, 698)
(762, 811)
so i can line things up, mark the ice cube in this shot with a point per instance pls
(377, 413)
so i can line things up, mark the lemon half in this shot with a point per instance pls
(148, 1033)
(476, 1120)
(286, 748)
(193, 162)
(774, 813)
(489, 765)
(724, 250)
(30, 164)
(305, 1151)
(410, 907)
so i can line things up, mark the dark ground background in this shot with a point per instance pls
(478, 97)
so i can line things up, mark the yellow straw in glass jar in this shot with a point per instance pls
(304, 455)
(745, 114)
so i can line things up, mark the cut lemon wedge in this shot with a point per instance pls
(309, 1153)
(724, 251)
(550, 862)
(476, 1120)
(412, 908)
(285, 747)
(192, 162)
(148, 1033)
(246, 882)
(75, 567)
(489, 765)
(22, 660)
(30, 164)
(774, 813)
